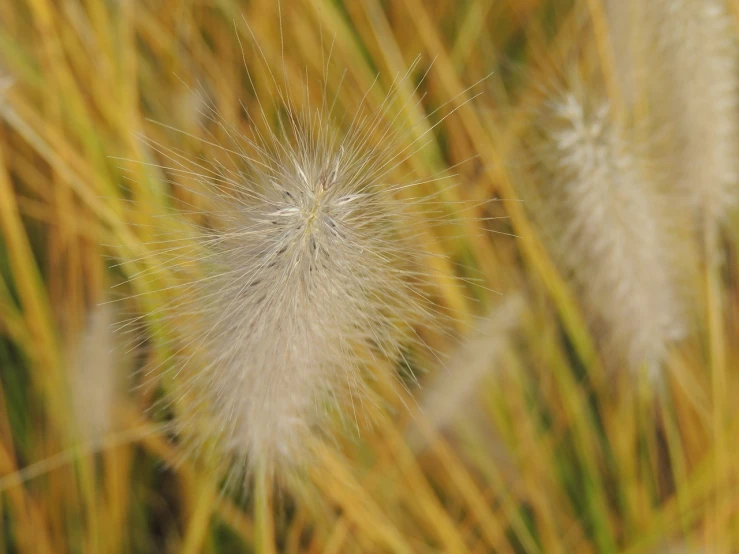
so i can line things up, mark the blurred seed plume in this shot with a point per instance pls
(610, 230)
(451, 393)
(95, 379)
(695, 79)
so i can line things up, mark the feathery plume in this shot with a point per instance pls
(95, 376)
(613, 237)
(299, 274)
(450, 393)
(627, 42)
(697, 89)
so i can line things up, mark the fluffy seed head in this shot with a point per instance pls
(451, 393)
(696, 79)
(94, 376)
(298, 279)
(309, 276)
(611, 233)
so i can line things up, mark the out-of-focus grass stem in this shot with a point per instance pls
(717, 357)
(204, 502)
(263, 513)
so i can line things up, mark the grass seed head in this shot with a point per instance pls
(611, 231)
(94, 376)
(298, 275)
(696, 67)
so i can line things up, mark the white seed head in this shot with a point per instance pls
(450, 394)
(612, 235)
(95, 376)
(300, 276)
(696, 82)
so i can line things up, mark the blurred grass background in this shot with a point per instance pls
(544, 452)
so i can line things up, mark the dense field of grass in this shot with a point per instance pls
(568, 171)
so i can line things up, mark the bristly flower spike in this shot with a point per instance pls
(302, 274)
(611, 233)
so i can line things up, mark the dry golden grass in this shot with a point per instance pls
(552, 453)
